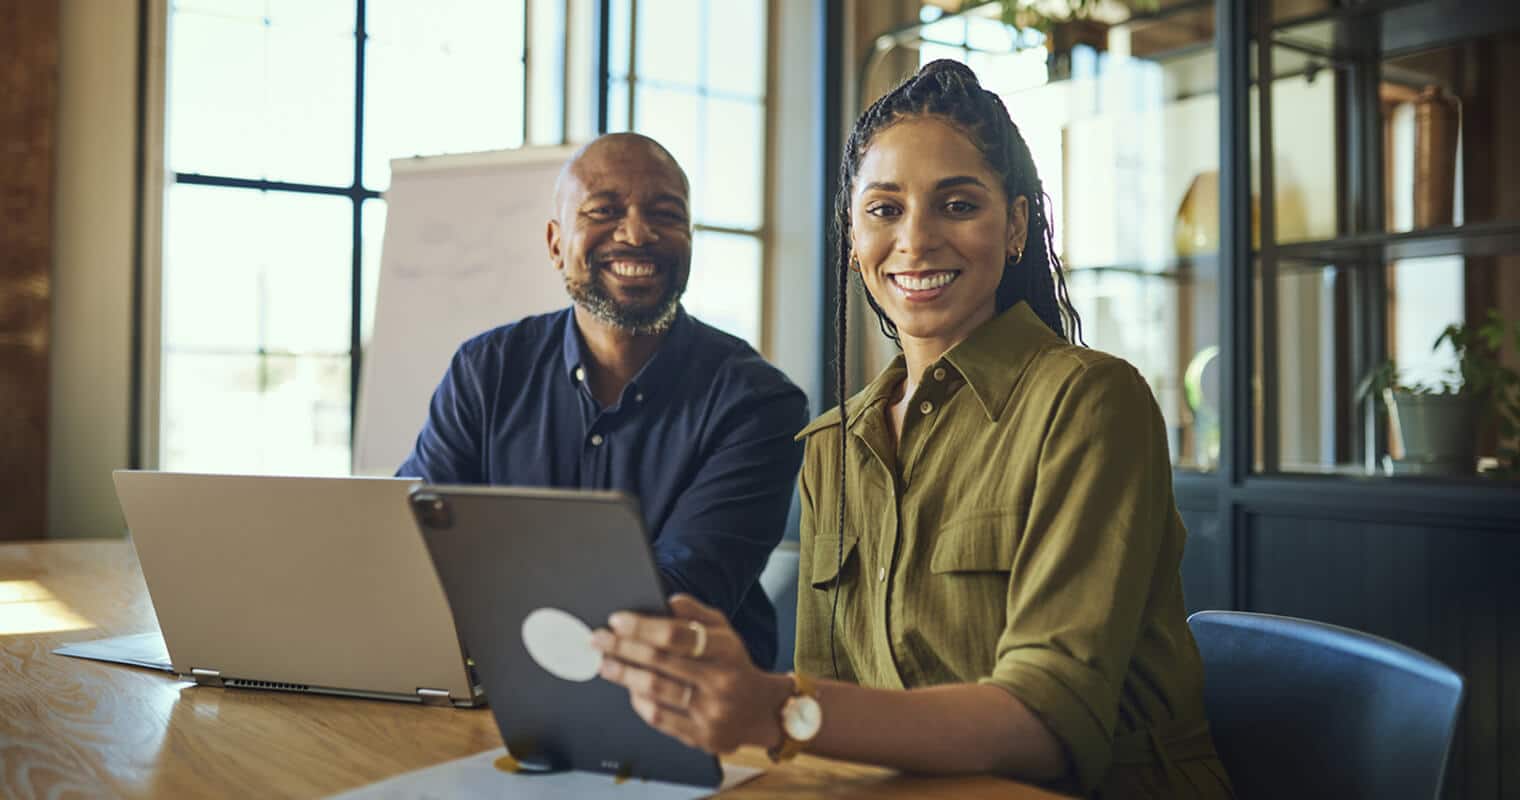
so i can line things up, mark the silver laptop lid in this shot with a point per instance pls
(316, 583)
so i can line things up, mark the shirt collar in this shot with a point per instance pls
(993, 358)
(991, 361)
(660, 369)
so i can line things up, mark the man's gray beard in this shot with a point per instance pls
(591, 296)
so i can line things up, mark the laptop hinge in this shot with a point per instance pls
(207, 677)
(434, 697)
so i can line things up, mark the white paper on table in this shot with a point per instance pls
(477, 776)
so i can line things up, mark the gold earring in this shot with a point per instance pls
(1018, 255)
(854, 264)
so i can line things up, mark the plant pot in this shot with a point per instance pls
(1437, 433)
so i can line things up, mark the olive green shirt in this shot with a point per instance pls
(1022, 534)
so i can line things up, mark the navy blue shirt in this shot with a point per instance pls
(702, 436)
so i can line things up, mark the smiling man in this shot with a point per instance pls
(625, 390)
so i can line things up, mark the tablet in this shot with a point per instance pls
(529, 573)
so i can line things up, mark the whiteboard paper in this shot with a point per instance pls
(464, 251)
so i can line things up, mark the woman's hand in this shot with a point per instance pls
(715, 701)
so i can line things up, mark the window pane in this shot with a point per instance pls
(1321, 418)
(261, 99)
(617, 106)
(247, 270)
(441, 78)
(308, 273)
(617, 47)
(736, 34)
(212, 239)
(725, 289)
(732, 169)
(669, 46)
(672, 118)
(255, 414)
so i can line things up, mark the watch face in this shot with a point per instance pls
(802, 717)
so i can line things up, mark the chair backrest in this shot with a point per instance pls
(1304, 709)
(779, 580)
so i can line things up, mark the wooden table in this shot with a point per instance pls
(70, 727)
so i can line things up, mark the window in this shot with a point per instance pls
(282, 116)
(1122, 124)
(281, 120)
(691, 74)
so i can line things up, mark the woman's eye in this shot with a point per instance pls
(601, 212)
(882, 211)
(960, 207)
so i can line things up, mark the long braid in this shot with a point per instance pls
(841, 377)
(948, 90)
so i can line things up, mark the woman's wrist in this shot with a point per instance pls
(775, 690)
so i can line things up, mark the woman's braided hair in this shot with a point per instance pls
(949, 91)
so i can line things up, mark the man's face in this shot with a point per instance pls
(622, 239)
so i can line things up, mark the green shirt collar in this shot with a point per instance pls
(991, 361)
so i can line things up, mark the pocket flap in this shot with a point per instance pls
(826, 560)
(982, 541)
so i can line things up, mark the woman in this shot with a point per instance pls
(993, 530)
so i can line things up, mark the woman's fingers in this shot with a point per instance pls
(664, 690)
(691, 639)
(667, 720)
(687, 607)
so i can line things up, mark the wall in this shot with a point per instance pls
(28, 116)
(794, 211)
(93, 263)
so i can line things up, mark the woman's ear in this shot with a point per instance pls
(1018, 227)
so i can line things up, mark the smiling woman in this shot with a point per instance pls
(990, 546)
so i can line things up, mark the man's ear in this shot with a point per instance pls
(555, 254)
(1018, 226)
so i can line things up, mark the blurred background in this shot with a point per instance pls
(1299, 219)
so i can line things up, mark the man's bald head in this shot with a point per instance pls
(621, 234)
(614, 152)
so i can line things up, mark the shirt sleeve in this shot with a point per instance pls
(1083, 571)
(447, 449)
(725, 524)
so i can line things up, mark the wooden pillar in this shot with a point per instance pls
(28, 119)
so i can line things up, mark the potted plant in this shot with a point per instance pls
(1436, 424)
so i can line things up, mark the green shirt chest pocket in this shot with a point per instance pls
(980, 541)
(829, 561)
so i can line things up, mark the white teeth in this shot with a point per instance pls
(632, 269)
(918, 284)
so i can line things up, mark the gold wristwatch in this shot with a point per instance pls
(801, 718)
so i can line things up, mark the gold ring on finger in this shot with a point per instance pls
(701, 645)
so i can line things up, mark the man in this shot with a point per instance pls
(624, 390)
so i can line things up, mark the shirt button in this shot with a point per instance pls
(926, 407)
(638, 398)
(596, 439)
(580, 373)
(939, 373)
(881, 574)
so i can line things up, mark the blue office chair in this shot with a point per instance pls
(1304, 709)
(779, 580)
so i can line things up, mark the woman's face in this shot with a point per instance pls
(931, 229)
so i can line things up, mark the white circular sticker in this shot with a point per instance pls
(561, 644)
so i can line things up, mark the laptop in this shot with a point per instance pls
(529, 574)
(296, 584)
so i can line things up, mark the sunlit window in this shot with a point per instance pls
(281, 121)
(691, 74)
